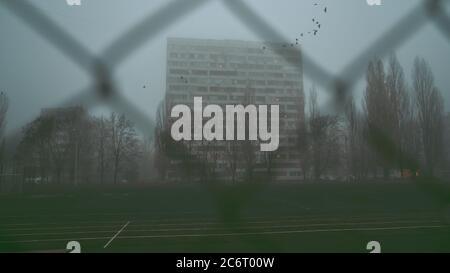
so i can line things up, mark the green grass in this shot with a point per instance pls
(246, 218)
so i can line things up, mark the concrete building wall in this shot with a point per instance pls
(225, 72)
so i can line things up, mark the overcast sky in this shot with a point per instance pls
(35, 75)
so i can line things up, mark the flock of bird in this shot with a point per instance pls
(314, 32)
(317, 26)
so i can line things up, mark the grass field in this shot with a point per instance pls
(283, 218)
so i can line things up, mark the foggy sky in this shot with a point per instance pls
(35, 75)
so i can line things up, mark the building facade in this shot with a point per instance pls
(229, 72)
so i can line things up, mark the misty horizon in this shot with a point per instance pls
(60, 79)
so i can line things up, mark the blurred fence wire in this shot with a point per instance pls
(102, 67)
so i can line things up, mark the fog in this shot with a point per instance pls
(35, 74)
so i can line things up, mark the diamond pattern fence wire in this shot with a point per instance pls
(102, 67)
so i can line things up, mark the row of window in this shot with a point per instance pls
(286, 108)
(268, 91)
(228, 73)
(215, 81)
(237, 66)
(199, 50)
(215, 49)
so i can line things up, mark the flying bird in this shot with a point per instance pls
(317, 23)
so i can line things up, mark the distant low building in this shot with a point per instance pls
(52, 147)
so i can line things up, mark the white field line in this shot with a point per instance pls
(246, 233)
(59, 223)
(58, 228)
(299, 220)
(286, 232)
(95, 214)
(114, 237)
(224, 228)
(315, 216)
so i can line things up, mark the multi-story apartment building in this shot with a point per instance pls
(225, 72)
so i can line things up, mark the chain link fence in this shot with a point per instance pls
(101, 67)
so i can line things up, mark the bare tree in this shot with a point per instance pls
(232, 158)
(353, 131)
(102, 142)
(358, 154)
(323, 136)
(381, 120)
(302, 137)
(123, 141)
(58, 151)
(430, 114)
(147, 171)
(84, 145)
(64, 144)
(161, 160)
(401, 111)
(46, 140)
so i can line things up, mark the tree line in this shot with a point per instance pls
(67, 146)
(397, 130)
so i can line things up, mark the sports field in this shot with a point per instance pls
(247, 218)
